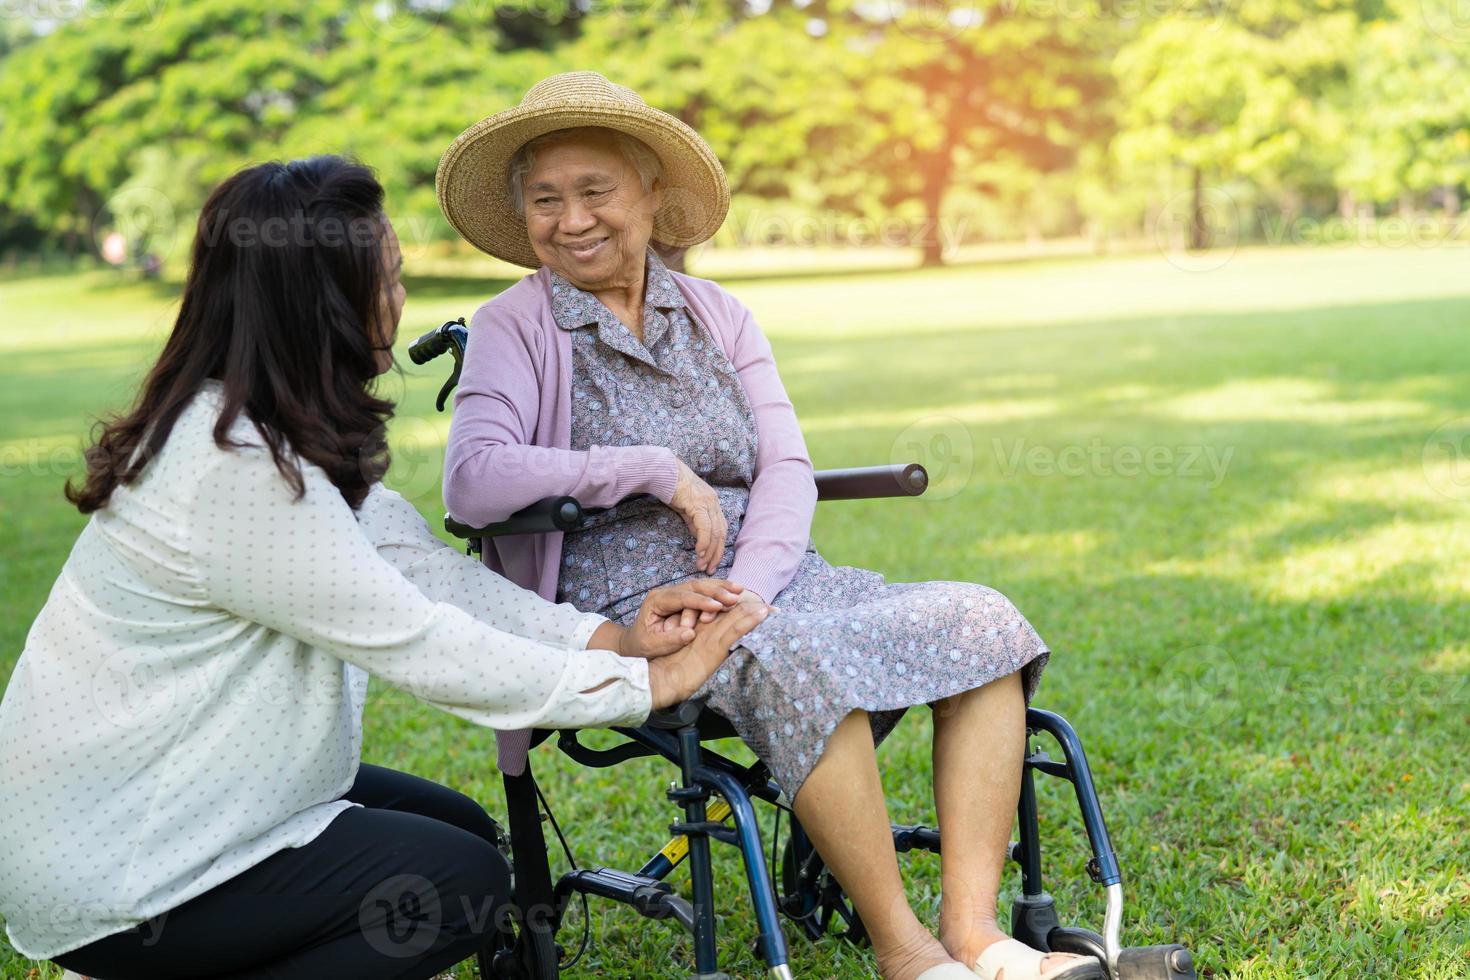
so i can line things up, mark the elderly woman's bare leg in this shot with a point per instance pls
(842, 809)
(979, 743)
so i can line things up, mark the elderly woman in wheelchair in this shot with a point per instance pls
(653, 397)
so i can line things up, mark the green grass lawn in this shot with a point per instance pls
(1227, 500)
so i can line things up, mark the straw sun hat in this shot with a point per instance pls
(471, 182)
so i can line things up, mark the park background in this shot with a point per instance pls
(1168, 294)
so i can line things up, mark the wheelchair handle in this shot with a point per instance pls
(451, 336)
(434, 343)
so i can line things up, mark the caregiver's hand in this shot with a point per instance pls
(656, 632)
(698, 504)
(689, 616)
(674, 678)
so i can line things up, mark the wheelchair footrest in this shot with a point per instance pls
(650, 897)
(1167, 962)
(915, 837)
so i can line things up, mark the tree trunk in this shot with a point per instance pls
(1451, 194)
(1034, 237)
(84, 233)
(1347, 204)
(1199, 234)
(929, 237)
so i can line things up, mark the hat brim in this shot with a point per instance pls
(473, 194)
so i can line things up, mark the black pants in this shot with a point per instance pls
(401, 889)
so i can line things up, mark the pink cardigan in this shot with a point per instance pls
(509, 439)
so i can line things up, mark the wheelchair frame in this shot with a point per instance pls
(712, 788)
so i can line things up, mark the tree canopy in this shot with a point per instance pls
(1061, 113)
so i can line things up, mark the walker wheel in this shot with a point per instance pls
(811, 895)
(519, 953)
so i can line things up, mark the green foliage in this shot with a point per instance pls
(1061, 114)
(1412, 111)
(1210, 100)
(215, 84)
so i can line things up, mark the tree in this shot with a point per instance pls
(1411, 110)
(791, 101)
(1214, 102)
(975, 92)
(777, 105)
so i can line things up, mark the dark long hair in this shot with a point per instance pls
(281, 305)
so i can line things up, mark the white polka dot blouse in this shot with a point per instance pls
(189, 700)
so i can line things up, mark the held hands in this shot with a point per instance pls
(676, 677)
(687, 618)
(666, 619)
(698, 504)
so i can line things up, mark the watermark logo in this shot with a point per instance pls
(401, 917)
(934, 20)
(130, 693)
(417, 451)
(144, 217)
(1450, 19)
(1193, 684)
(1098, 459)
(942, 444)
(399, 21)
(1446, 459)
(48, 12)
(40, 457)
(832, 229)
(1198, 236)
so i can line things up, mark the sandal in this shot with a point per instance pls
(947, 971)
(1011, 959)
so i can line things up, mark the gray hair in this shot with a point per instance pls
(636, 152)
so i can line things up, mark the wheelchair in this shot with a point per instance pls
(711, 790)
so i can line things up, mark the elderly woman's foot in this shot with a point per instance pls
(967, 950)
(909, 960)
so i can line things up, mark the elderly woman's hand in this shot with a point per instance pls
(688, 617)
(696, 502)
(657, 631)
(674, 678)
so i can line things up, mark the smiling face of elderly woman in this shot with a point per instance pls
(589, 208)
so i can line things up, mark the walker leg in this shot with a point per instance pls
(692, 795)
(771, 945)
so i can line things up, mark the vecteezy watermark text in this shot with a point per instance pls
(1096, 458)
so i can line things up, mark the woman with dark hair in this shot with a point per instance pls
(180, 786)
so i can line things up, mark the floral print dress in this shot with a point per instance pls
(839, 638)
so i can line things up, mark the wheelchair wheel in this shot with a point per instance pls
(518, 953)
(1066, 939)
(811, 895)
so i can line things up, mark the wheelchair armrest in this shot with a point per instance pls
(864, 482)
(681, 714)
(566, 513)
(546, 514)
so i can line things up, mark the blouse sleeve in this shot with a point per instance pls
(783, 497)
(402, 537)
(491, 468)
(304, 568)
